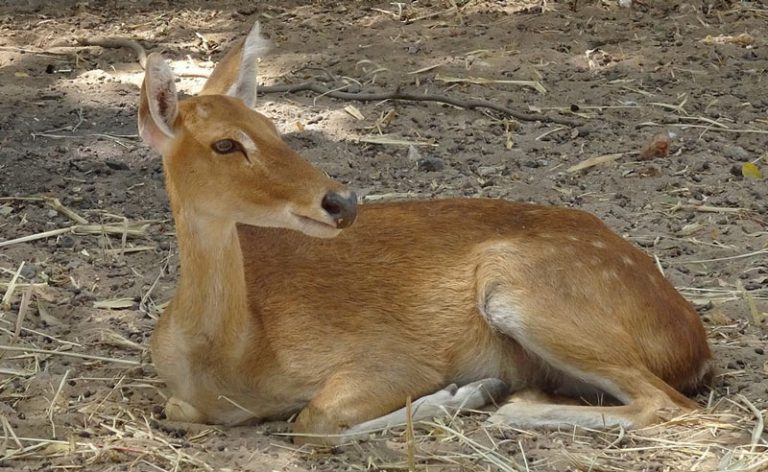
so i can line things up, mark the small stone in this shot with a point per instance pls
(29, 271)
(66, 242)
(736, 153)
(413, 154)
(430, 164)
(532, 164)
(116, 165)
(485, 171)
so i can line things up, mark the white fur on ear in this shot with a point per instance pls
(255, 46)
(161, 93)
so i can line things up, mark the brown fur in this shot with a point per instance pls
(224, 75)
(414, 296)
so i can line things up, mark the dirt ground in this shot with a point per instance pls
(96, 284)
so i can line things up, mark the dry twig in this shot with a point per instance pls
(116, 43)
(471, 104)
(339, 93)
(69, 354)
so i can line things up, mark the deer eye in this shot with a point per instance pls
(226, 146)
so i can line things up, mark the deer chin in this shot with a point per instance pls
(314, 227)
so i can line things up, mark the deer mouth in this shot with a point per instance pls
(315, 227)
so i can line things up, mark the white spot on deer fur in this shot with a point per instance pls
(627, 260)
(503, 314)
(247, 143)
(202, 111)
(598, 244)
(572, 238)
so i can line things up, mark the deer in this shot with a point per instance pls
(295, 301)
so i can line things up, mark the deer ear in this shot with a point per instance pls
(254, 47)
(159, 104)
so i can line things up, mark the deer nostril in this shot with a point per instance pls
(342, 210)
(332, 204)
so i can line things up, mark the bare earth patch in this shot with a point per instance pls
(81, 293)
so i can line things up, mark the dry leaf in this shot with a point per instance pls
(510, 142)
(425, 69)
(20, 74)
(689, 229)
(116, 304)
(657, 146)
(718, 318)
(413, 153)
(394, 141)
(756, 318)
(751, 171)
(534, 84)
(593, 161)
(649, 171)
(741, 40)
(352, 110)
(112, 338)
(45, 314)
(54, 449)
(300, 126)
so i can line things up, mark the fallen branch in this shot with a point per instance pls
(133, 45)
(77, 355)
(472, 104)
(134, 229)
(54, 203)
(312, 86)
(116, 43)
(594, 161)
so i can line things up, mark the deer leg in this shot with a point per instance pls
(347, 409)
(179, 410)
(598, 355)
(646, 404)
(444, 402)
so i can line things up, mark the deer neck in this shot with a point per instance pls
(211, 297)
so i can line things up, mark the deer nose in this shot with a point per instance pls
(342, 209)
